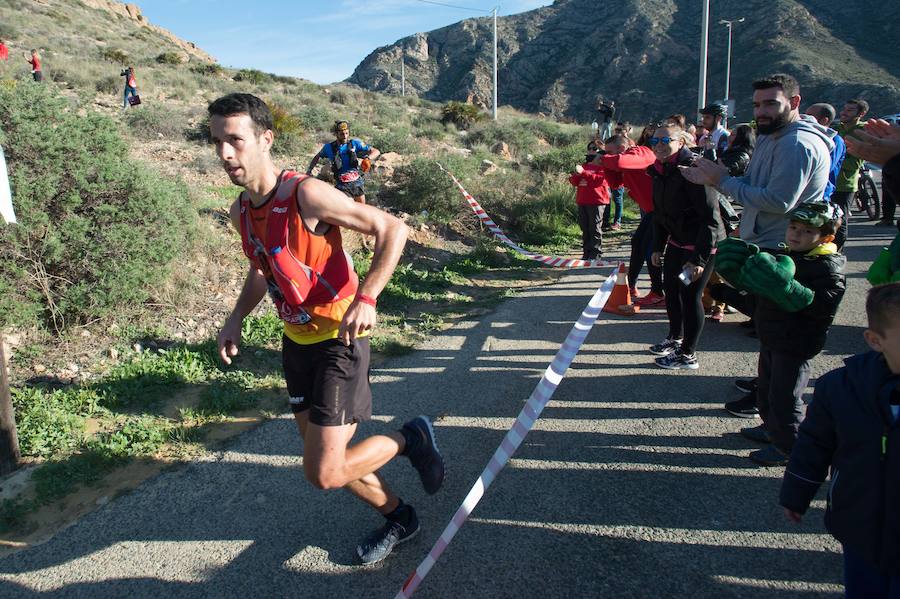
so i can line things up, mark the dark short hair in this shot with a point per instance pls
(235, 104)
(862, 105)
(823, 109)
(883, 306)
(787, 83)
(679, 119)
(744, 137)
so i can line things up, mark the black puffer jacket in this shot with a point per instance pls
(849, 428)
(735, 159)
(684, 212)
(803, 333)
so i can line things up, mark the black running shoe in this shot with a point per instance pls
(379, 544)
(422, 451)
(756, 433)
(769, 456)
(744, 407)
(746, 385)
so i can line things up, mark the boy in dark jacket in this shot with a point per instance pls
(852, 427)
(798, 295)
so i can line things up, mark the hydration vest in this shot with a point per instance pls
(337, 163)
(293, 284)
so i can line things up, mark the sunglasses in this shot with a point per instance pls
(655, 140)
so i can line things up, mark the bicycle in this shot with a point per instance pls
(867, 194)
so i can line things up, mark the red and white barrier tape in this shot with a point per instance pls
(554, 261)
(523, 424)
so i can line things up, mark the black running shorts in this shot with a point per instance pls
(329, 379)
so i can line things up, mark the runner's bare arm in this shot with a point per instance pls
(313, 163)
(321, 203)
(252, 292)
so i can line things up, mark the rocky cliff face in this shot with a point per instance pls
(133, 12)
(644, 54)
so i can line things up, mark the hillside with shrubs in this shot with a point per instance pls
(124, 264)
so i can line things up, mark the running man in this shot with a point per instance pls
(346, 156)
(327, 315)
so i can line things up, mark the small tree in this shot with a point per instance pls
(460, 114)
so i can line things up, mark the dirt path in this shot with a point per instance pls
(634, 482)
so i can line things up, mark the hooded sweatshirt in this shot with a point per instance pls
(788, 167)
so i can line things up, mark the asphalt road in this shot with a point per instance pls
(634, 482)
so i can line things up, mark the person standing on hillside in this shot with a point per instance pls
(790, 165)
(327, 316)
(607, 111)
(35, 61)
(848, 179)
(130, 85)
(348, 157)
(4, 52)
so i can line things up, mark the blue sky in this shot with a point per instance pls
(320, 41)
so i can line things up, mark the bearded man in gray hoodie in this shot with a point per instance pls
(790, 165)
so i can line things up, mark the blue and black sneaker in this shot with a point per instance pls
(422, 451)
(379, 544)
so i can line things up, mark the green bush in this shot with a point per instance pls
(252, 76)
(149, 121)
(97, 231)
(169, 58)
(317, 118)
(208, 69)
(422, 188)
(559, 160)
(550, 219)
(394, 140)
(114, 55)
(110, 85)
(461, 114)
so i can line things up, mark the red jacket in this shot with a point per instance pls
(592, 188)
(632, 165)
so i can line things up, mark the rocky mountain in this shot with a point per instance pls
(644, 54)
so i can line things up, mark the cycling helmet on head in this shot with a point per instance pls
(816, 214)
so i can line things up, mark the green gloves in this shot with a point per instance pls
(772, 277)
(886, 268)
(731, 255)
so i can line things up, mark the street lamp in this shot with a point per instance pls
(728, 24)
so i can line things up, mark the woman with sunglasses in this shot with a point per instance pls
(687, 226)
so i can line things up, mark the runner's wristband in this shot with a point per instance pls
(366, 299)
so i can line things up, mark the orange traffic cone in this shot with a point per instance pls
(620, 300)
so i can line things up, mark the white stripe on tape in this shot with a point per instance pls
(541, 394)
(553, 261)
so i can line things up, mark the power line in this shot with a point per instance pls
(455, 6)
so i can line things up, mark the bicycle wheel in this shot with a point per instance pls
(868, 196)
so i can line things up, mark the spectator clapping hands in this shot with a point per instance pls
(878, 143)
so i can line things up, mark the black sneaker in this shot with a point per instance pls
(769, 456)
(422, 451)
(379, 544)
(678, 361)
(756, 433)
(666, 347)
(744, 407)
(746, 385)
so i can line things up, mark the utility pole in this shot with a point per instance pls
(495, 63)
(728, 24)
(9, 439)
(704, 43)
(403, 71)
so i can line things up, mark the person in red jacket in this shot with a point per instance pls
(35, 61)
(4, 52)
(630, 165)
(592, 197)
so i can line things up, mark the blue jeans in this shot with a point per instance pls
(618, 198)
(863, 581)
(129, 91)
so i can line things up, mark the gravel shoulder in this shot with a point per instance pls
(634, 482)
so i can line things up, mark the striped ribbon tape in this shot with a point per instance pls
(523, 424)
(554, 261)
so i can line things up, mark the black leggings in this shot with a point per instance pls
(684, 304)
(641, 248)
